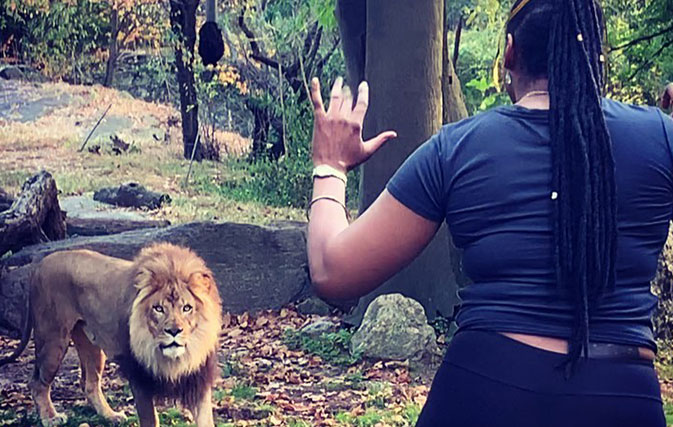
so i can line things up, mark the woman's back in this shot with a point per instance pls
(490, 177)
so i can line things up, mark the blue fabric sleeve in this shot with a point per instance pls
(667, 123)
(419, 183)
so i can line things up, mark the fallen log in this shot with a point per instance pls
(255, 267)
(34, 217)
(107, 226)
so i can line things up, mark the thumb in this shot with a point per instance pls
(377, 142)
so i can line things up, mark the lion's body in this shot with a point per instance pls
(158, 316)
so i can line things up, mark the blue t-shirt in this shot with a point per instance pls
(489, 177)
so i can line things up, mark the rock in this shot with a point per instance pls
(11, 72)
(132, 195)
(394, 328)
(255, 267)
(314, 305)
(105, 226)
(319, 327)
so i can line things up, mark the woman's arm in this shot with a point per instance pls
(350, 260)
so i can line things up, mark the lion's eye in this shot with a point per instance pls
(187, 308)
(158, 309)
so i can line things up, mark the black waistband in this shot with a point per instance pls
(613, 351)
(503, 359)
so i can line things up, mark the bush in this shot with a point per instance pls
(332, 347)
(62, 39)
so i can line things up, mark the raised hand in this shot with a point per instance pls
(337, 132)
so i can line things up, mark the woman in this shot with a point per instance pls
(561, 203)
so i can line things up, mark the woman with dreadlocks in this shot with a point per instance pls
(561, 203)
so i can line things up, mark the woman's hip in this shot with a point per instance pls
(490, 380)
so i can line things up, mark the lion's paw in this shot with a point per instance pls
(56, 420)
(117, 417)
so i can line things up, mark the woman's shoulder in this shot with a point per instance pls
(494, 124)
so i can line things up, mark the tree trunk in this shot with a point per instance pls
(352, 18)
(453, 104)
(113, 49)
(183, 24)
(404, 69)
(34, 217)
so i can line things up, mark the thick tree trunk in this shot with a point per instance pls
(113, 49)
(404, 69)
(34, 217)
(352, 18)
(183, 24)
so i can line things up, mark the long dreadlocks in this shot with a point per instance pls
(562, 40)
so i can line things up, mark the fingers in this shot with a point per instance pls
(377, 142)
(316, 97)
(347, 104)
(336, 97)
(363, 103)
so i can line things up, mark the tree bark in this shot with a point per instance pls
(352, 19)
(113, 49)
(453, 103)
(404, 69)
(183, 24)
(34, 217)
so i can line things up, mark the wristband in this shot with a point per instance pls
(325, 171)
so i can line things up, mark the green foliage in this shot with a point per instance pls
(62, 39)
(639, 70)
(332, 347)
(636, 72)
(243, 391)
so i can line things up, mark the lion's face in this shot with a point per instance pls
(175, 319)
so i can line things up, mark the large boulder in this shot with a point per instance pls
(394, 328)
(255, 267)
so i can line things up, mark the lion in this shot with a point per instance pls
(158, 317)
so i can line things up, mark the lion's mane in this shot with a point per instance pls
(167, 269)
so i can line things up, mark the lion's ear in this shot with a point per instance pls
(144, 278)
(203, 281)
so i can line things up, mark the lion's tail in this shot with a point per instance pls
(25, 337)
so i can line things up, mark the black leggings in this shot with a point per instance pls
(489, 380)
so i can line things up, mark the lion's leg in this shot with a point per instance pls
(203, 412)
(147, 414)
(92, 360)
(49, 353)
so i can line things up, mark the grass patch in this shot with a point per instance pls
(668, 410)
(243, 391)
(332, 347)
(11, 181)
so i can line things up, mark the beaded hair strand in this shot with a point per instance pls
(584, 213)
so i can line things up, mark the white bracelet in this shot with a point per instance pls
(324, 171)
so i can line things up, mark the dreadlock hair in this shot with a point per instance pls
(562, 40)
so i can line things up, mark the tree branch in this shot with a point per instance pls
(642, 39)
(649, 62)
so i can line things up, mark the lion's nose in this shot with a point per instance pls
(173, 331)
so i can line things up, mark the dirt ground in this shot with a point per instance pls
(262, 382)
